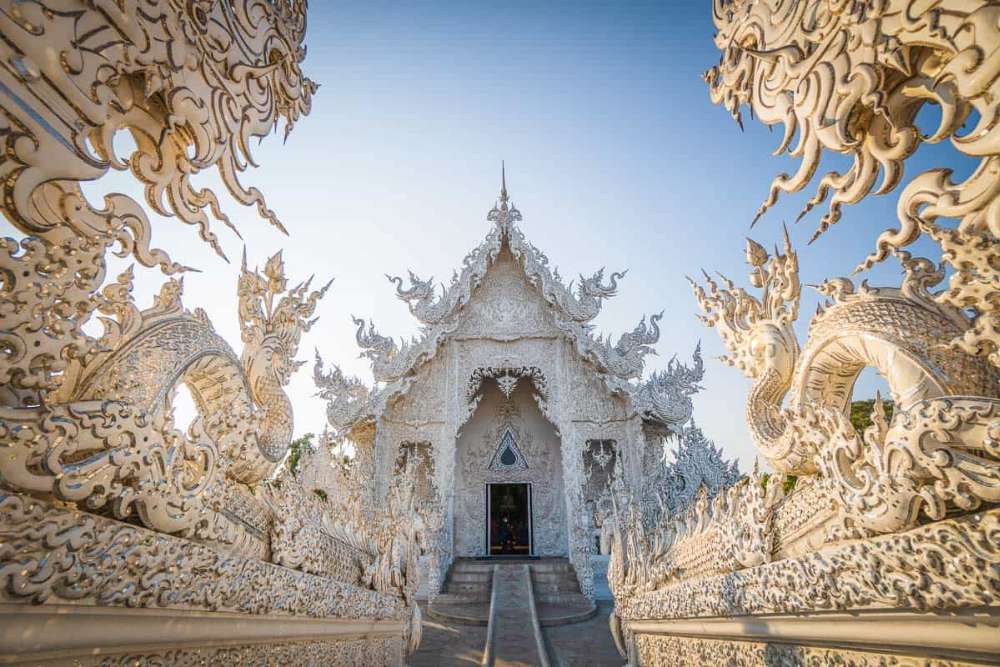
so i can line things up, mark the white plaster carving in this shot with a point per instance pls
(898, 519)
(508, 326)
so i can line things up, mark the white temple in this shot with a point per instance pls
(514, 411)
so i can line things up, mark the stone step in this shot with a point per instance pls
(460, 587)
(552, 576)
(549, 587)
(565, 612)
(472, 566)
(554, 567)
(461, 598)
(464, 613)
(560, 597)
(472, 577)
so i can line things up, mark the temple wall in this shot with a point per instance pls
(539, 444)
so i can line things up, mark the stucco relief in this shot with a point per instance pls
(507, 325)
(537, 443)
(537, 355)
(591, 399)
(425, 400)
(506, 306)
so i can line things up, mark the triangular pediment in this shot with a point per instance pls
(505, 304)
(507, 290)
(508, 455)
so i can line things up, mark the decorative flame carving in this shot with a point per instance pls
(852, 78)
(87, 424)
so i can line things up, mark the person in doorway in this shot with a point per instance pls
(506, 535)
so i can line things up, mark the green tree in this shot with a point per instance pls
(295, 450)
(861, 413)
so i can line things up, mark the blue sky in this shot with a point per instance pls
(614, 154)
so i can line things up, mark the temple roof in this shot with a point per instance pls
(663, 398)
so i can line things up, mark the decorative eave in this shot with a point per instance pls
(582, 306)
(573, 310)
(664, 398)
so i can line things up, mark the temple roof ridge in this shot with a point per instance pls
(581, 304)
(664, 397)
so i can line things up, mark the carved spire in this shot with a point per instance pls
(503, 182)
(504, 213)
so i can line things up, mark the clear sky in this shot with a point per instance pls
(614, 154)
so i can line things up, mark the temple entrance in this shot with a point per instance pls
(509, 529)
(509, 498)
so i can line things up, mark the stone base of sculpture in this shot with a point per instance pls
(925, 596)
(81, 589)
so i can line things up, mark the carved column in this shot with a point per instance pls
(571, 448)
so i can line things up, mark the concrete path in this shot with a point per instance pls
(514, 639)
(448, 644)
(449, 641)
(587, 644)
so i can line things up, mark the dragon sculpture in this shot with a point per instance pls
(669, 486)
(87, 421)
(173, 76)
(852, 78)
(192, 82)
(583, 306)
(347, 398)
(71, 449)
(843, 515)
(716, 533)
(883, 479)
(666, 395)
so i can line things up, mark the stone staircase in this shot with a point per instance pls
(518, 602)
(557, 593)
(468, 581)
(465, 595)
(554, 580)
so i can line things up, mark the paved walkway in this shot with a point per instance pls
(586, 644)
(513, 637)
(448, 644)
(451, 644)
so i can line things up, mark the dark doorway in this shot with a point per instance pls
(509, 528)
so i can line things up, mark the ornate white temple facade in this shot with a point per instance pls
(514, 411)
(508, 426)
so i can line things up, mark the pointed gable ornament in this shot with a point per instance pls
(504, 213)
(507, 384)
(508, 455)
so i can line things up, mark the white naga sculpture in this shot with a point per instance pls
(936, 449)
(903, 517)
(103, 502)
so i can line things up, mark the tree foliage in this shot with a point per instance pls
(295, 450)
(861, 413)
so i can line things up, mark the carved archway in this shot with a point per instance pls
(515, 428)
(507, 378)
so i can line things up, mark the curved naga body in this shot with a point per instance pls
(86, 422)
(75, 451)
(87, 419)
(852, 78)
(797, 408)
